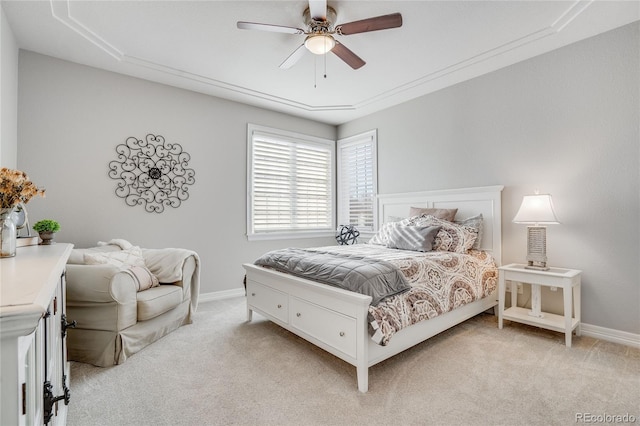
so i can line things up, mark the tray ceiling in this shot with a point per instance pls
(195, 45)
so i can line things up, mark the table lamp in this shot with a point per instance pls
(537, 211)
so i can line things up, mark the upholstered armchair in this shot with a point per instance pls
(124, 298)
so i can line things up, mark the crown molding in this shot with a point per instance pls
(61, 11)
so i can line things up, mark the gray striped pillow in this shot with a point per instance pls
(415, 238)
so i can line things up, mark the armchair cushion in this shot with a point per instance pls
(156, 301)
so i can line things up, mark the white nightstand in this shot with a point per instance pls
(566, 279)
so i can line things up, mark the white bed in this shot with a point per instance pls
(336, 320)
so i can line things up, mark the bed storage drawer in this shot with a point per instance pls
(330, 327)
(268, 300)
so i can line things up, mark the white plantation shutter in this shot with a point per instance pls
(291, 184)
(357, 181)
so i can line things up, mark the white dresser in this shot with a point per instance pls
(35, 371)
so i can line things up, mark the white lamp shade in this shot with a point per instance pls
(537, 209)
(319, 44)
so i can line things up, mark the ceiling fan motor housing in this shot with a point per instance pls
(322, 26)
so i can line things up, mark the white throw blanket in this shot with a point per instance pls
(166, 264)
(123, 244)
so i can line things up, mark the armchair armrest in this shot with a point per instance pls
(101, 297)
(99, 284)
(178, 267)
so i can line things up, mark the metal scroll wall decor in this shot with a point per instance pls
(152, 173)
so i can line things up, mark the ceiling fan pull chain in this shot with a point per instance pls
(315, 72)
(325, 65)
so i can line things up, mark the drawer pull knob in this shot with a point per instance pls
(253, 294)
(342, 334)
(279, 306)
(298, 314)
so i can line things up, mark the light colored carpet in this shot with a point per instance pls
(221, 370)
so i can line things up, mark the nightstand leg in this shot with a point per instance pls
(536, 301)
(576, 307)
(567, 296)
(501, 296)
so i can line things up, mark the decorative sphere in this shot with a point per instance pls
(347, 234)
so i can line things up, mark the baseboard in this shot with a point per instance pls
(611, 335)
(221, 295)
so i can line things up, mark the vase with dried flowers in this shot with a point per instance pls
(15, 188)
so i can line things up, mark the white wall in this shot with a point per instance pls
(565, 123)
(8, 95)
(72, 117)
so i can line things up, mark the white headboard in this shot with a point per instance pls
(468, 201)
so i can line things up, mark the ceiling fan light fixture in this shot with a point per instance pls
(319, 44)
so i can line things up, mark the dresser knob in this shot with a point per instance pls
(342, 334)
(253, 294)
(279, 306)
(298, 314)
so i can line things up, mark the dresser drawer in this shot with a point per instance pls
(333, 328)
(268, 300)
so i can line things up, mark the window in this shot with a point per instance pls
(357, 181)
(290, 184)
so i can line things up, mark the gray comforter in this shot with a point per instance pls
(375, 278)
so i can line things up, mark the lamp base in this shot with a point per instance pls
(537, 248)
(538, 266)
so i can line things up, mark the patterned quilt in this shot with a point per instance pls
(440, 282)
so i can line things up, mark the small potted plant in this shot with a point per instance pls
(46, 228)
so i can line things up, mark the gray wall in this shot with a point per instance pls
(565, 123)
(8, 95)
(72, 117)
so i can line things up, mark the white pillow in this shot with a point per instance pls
(381, 237)
(122, 259)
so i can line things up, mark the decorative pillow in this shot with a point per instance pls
(381, 237)
(451, 237)
(446, 214)
(416, 238)
(123, 259)
(77, 255)
(143, 277)
(474, 222)
(394, 219)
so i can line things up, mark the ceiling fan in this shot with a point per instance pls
(320, 32)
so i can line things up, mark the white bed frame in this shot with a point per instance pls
(336, 320)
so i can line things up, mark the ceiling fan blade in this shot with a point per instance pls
(318, 9)
(342, 52)
(268, 27)
(294, 57)
(384, 22)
